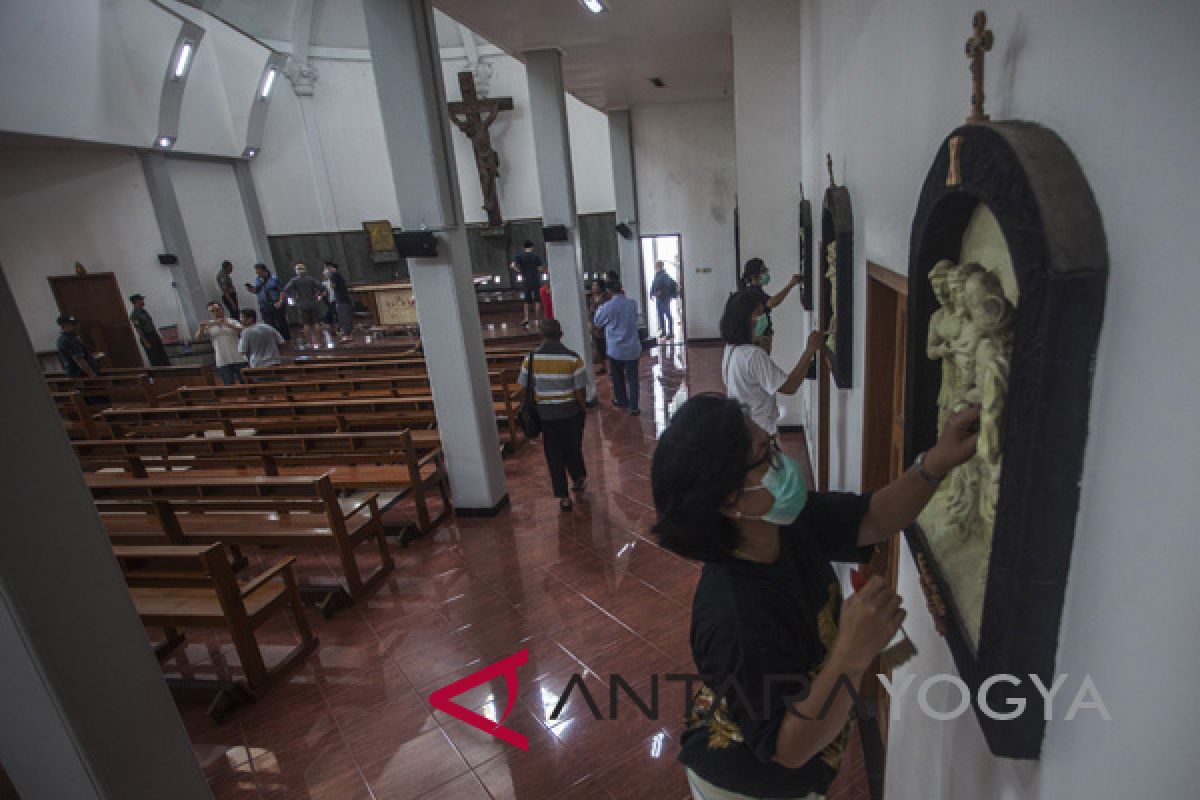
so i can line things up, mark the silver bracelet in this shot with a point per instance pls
(919, 466)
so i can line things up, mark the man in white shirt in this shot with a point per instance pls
(260, 342)
(223, 333)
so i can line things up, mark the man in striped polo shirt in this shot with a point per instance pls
(559, 383)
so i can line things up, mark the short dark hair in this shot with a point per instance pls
(225, 264)
(329, 263)
(528, 245)
(262, 266)
(133, 298)
(754, 267)
(250, 314)
(700, 462)
(551, 329)
(735, 320)
(615, 286)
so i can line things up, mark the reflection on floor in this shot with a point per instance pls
(587, 592)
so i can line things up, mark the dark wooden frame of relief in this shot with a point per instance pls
(837, 222)
(1037, 191)
(806, 253)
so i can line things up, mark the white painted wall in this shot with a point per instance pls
(686, 171)
(882, 85)
(62, 205)
(351, 131)
(766, 75)
(215, 221)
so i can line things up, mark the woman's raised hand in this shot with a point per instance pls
(870, 618)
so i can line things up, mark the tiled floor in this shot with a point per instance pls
(586, 593)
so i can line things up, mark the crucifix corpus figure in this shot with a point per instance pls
(474, 116)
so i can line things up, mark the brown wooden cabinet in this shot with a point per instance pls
(95, 300)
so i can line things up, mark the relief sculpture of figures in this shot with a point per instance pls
(972, 336)
(831, 275)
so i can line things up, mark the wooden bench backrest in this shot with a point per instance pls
(352, 368)
(183, 494)
(268, 452)
(313, 387)
(76, 415)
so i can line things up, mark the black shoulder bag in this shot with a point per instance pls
(528, 417)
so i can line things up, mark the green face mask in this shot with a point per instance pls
(766, 277)
(786, 484)
(761, 326)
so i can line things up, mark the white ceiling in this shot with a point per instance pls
(609, 58)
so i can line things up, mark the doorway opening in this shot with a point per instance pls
(667, 248)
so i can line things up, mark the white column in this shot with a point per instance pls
(620, 138)
(412, 101)
(87, 713)
(766, 75)
(254, 217)
(184, 277)
(552, 148)
(303, 77)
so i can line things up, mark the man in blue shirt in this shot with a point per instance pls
(618, 318)
(266, 286)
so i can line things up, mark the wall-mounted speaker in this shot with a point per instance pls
(624, 231)
(416, 244)
(168, 259)
(555, 233)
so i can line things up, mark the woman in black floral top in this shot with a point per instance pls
(769, 629)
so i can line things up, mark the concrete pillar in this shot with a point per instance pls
(86, 711)
(620, 138)
(303, 77)
(254, 217)
(412, 99)
(552, 148)
(766, 75)
(185, 279)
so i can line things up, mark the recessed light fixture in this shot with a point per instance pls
(165, 142)
(250, 152)
(594, 6)
(268, 81)
(183, 59)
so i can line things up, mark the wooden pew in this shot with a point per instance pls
(350, 369)
(293, 511)
(135, 388)
(181, 586)
(395, 464)
(320, 388)
(76, 415)
(338, 414)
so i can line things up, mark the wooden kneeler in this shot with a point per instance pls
(181, 586)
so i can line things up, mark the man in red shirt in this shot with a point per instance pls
(547, 303)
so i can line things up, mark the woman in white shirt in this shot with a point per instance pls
(749, 374)
(223, 333)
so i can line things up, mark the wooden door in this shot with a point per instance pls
(96, 302)
(883, 435)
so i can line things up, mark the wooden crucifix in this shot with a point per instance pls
(474, 115)
(977, 47)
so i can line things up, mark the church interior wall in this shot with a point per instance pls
(684, 161)
(215, 221)
(61, 205)
(1106, 78)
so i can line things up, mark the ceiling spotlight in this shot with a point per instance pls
(250, 152)
(183, 59)
(165, 142)
(594, 6)
(267, 82)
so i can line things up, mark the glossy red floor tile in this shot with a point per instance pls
(586, 593)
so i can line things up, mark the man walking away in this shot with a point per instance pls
(143, 323)
(307, 292)
(260, 342)
(340, 300)
(559, 384)
(618, 317)
(225, 284)
(77, 361)
(266, 286)
(223, 332)
(528, 265)
(664, 289)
